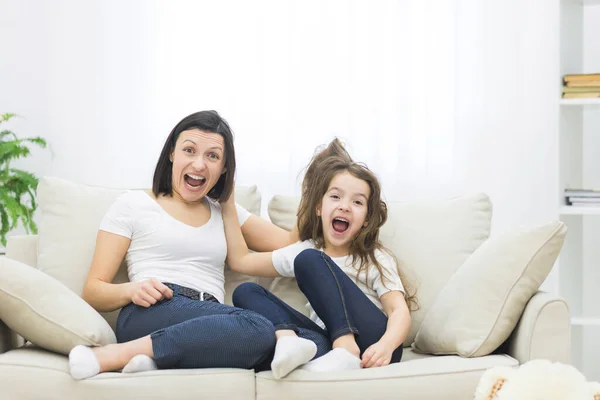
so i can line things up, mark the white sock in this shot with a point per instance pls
(140, 363)
(83, 363)
(338, 359)
(290, 353)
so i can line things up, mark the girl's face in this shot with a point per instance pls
(198, 163)
(343, 211)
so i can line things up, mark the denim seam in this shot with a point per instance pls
(341, 332)
(351, 328)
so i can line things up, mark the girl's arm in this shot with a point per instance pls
(262, 235)
(396, 332)
(238, 257)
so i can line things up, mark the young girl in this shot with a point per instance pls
(356, 298)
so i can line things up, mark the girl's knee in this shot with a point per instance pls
(306, 261)
(243, 292)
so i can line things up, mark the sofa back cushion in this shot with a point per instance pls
(70, 216)
(432, 239)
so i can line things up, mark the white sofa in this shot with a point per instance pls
(436, 240)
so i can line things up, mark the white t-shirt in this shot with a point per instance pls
(165, 248)
(283, 261)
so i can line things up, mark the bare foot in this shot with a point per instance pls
(284, 332)
(111, 357)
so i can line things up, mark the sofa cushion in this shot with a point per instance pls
(423, 378)
(431, 238)
(69, 221)
(45, 312)
(50, 372)
(481, 304)
(70, 216)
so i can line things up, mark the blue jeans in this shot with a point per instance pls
(190, 333)
(339, 303)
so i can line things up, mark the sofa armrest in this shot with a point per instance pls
(23, 248)
(544, 331)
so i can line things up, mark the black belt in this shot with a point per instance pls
(191, 293)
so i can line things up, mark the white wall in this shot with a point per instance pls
(507, 106)
(105, 81)
(591, 178)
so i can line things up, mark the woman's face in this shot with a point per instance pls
(198, 163)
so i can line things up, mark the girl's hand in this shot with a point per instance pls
(377, 355)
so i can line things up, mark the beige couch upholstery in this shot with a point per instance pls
(432, 239)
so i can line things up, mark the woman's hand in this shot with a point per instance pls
(150, 292)
(378, 354)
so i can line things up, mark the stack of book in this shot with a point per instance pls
(583, 197)
(581, 86)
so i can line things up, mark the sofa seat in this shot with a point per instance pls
(32, 373)
(416, 377)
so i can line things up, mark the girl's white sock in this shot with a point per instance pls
(140, 363)
(83, 363)
(290, 353)
(338, 359)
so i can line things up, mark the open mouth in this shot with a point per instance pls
(194, 181)
(340, 225)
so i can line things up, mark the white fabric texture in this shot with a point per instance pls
(167, 249)
(374, 288)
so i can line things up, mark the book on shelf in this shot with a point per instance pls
(582, 192)
(582, 95)
(582, 197)
(580, 204)
(581, 77)
(584, 89)
(583, 84)
(592, 200)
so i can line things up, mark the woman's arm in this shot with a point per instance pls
(238, 257)
(396, 332)
(262, 235)
(101, 293)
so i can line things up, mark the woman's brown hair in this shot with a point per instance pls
(321, 170)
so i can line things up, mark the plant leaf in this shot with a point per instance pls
(5, 117)
(6, 133)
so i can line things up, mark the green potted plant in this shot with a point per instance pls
(17, 187)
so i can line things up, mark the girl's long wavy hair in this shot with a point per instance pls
(323, 167)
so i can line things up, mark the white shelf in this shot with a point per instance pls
(575, 210)
(580, 102)
(585, 321)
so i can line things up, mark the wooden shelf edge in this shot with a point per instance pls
(575, 210)
(580, 102)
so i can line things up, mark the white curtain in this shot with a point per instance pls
(291, 75)
(113, 77)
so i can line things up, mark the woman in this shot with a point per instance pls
(173, 239)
